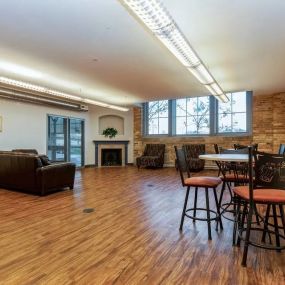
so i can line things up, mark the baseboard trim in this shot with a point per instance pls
(89, 165)
(209, 167)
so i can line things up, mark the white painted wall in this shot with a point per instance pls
(25, 126)
(96, 113)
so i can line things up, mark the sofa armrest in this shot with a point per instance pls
(55, 176)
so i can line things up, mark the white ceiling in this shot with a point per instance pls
(96, 49)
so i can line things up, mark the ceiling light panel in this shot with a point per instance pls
(159, 21)
(20, 70)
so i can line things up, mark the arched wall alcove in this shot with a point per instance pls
(111, 121)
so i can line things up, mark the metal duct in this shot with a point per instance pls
(39, 99)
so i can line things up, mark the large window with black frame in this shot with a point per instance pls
(193, 116)
(232, 116)
(199, 116)
(157, 117)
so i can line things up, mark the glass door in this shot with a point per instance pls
(76, 142)
(66, 139)
(57, 138)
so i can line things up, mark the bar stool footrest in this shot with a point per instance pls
(191, 210)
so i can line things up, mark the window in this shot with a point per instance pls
(66, 139)
(199, 116)
(57, 127)
(193, 116)
(76, 141)
(157, 113)
(232, 116)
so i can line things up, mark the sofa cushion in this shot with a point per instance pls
(44, 159)
(25, 150)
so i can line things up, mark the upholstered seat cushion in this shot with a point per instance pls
(203, 181)
(153, 156)
(261, 195)
(147, 158)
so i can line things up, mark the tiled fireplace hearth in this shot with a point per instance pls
(111, 153)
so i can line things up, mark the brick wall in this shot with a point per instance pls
(268, 130)
(278, 126)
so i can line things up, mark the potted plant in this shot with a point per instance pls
(110, 132)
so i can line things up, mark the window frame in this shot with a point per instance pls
(195, 134)
(214, 123)
(248, 117)
(146, 120)
(67, 137)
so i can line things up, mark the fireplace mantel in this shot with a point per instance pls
(110, 142)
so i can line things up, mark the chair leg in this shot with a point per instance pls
(237, 220)
(208, 214)
(218, 211)
(282, 216)
(195, 203)
(184, 208)
(247, 235)
(266, 223)
(256, 215)
(241, 226)
(222, 194)
(276, 229)
(230, 189)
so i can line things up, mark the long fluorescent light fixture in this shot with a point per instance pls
(44, 90)
(159, 21)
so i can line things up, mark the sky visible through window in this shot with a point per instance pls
(193, 116)
(158, 117)
(232, 115)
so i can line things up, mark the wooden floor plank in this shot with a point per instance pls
(132, 236)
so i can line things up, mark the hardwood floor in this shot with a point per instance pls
(132, 237)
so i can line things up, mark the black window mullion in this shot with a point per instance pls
(145, 121)
(171, 118)
(66, 139)
(213, 115)
(249, 111)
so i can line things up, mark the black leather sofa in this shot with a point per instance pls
(26, 172)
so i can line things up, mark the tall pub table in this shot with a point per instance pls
(220, 159)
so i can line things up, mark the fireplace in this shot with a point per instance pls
(111, 157)
(111, 145)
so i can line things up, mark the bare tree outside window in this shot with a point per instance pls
(158, 117)
(193, 115)
(232, 115)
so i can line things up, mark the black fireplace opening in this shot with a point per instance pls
(111, 157)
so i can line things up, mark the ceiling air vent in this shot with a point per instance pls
(84, 108)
